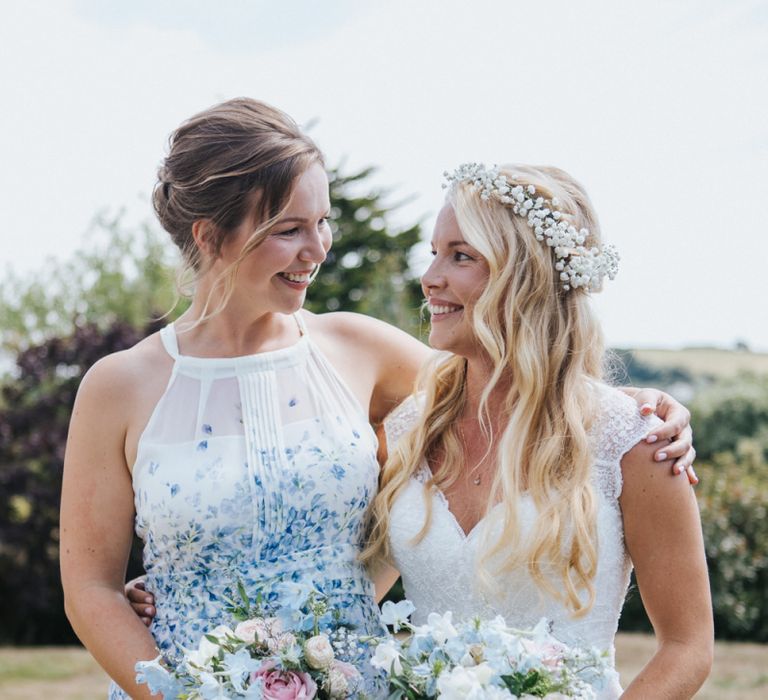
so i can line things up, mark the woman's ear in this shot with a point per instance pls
(202, 234)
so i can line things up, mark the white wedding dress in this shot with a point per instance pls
(440, 572)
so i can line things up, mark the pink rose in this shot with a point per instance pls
(284, 685)
(551, 653)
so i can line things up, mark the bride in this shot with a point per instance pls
(518, 483)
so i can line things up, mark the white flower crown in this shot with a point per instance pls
(579, 266)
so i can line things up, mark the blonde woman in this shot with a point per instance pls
(518, 482)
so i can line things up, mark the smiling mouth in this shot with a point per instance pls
(443, 309)
(296, 277)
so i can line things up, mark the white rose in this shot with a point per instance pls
(336, 684)
(251, 630)
(318, 651)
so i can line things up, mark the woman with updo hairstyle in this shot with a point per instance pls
(237, 440)
(518, 482)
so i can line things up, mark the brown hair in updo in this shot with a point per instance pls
(236, 159)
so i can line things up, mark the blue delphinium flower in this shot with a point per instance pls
(158, 678)
(239, 667)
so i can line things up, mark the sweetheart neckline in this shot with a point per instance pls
(443, 500)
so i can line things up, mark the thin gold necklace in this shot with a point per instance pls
(477, 479)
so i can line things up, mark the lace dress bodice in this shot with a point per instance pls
(440, 572)
(256, 469)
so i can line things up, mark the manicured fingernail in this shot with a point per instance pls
(652, 438)
(147, 599)
(661, 456)
(148, 611)
(646, 409)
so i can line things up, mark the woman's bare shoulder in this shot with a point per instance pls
(125, 373)
(364, 331)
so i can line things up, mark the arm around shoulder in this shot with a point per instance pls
(97, 525)
(662, 530)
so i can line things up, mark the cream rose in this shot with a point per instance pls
(318, 652)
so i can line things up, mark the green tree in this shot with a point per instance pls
(728, 411)
(118, 274)
(33, 430)
(733, 497)
(367, 268)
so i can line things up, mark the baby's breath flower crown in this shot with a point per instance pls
(579, 266)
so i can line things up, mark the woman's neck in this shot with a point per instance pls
(479, 373)
(232, 332)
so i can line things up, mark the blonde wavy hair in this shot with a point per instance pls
(546, 346)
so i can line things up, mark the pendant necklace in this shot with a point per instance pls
(477, 479)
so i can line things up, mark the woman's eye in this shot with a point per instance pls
(458, 256)
(289, 232)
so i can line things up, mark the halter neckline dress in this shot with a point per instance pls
(256, 469)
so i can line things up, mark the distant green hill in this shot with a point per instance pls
(708, 361)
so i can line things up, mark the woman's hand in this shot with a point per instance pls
(141, 600)
(676, 429)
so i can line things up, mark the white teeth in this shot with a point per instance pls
(442, 309)
(296, 277)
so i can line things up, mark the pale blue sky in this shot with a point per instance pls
(660, 108)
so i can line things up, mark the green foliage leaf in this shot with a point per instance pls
(533, 682)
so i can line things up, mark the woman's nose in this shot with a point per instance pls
(432, 278)
(316, 246)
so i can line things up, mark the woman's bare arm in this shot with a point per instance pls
(662, 531)
(97, 515)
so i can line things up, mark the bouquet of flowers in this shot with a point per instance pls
(280, 657)
(482, 659)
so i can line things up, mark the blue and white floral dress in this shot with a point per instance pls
(257, 469)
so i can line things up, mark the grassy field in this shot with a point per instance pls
(711, 361)
(69, 673)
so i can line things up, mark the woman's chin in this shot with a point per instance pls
(438, 341)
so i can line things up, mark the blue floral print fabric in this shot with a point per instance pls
(259, 470)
